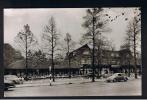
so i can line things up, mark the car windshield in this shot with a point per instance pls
(114, 75)
(119, 74)
(10, 76)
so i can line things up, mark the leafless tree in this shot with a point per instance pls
(50, 36)
(95, 24)
(133, 35)
(69, 46)
(25, 40)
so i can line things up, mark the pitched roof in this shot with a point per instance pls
(19, 64)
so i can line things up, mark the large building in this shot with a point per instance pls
(80, 62)
(110, 60)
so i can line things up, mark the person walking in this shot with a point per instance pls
(50, 81)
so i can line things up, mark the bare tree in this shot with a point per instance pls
(133, 34)
(102, 45)
(25, 40)
(126, 58)
(94, 25)
(70, 44)
(51, 37)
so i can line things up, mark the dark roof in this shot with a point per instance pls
(90, 47)
(20, 64)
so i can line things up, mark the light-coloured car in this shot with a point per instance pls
(14, 78)
(8, 84)
(117, 77)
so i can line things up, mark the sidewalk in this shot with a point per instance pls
(62, 81)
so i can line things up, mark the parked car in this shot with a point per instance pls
(8, 84)
(14, 78)
(117, 77)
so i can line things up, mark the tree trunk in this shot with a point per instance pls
(69, 63)
(93, 51)
(129, 57)
(53, 70)
(26, 78)
(135, 62)
(129, 69)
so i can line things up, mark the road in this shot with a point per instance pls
(100, 88)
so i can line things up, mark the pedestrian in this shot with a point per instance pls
(50, 81)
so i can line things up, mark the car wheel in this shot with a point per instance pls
(114, 80)
(6, 89)
(119, 80)
(125, 79)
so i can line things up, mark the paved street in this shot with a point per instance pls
(79, 87)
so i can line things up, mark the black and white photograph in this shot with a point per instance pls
(72, 52)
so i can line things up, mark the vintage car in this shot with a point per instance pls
(14, 78)
(117, 77)
(8, 84)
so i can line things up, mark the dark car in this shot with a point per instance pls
(8, 84)
(117, 77)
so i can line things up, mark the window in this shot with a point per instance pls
(74, 53)
(82, 61)
(117, 55)
(112, 54)
(86, 52)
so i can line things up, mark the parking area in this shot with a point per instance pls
(77, 87)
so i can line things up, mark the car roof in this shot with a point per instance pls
(10, 75)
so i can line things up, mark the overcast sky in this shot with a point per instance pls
(67, 19)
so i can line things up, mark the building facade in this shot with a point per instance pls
(109, 60)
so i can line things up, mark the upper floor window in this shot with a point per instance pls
(114, 55)
(86, 52)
